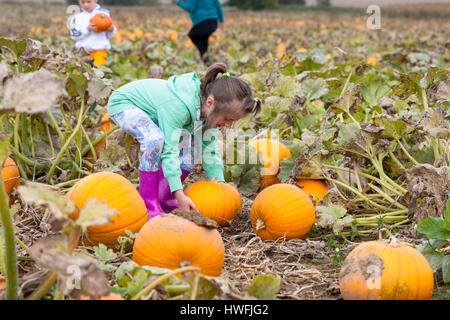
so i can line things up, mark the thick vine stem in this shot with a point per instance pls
(66, 144)
(11, 269)
(161, 279)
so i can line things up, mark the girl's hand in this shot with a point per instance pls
(92, 28)
(184, 202)
(221, 26)
(111, 29)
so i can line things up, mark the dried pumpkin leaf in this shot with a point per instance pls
(95, 213)
(79, 275)
(32, 92)
(43, 195)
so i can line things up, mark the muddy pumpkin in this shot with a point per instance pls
(119, 194)
(168, 240)
(217, 201)
(102, 21)
(377, 270)
(282, 210)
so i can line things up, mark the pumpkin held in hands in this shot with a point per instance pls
(317, 189)
(120, 194)
(377, 270)
(167, 240)
(102, 21)
(282, 210)
(217, 201)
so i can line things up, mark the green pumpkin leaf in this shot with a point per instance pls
(433, 228)
(104, 253)
(136, 285)
(374, 92)
(434, 257)
(206, 290)
(265, 287)
(16, 46)
(446, 269)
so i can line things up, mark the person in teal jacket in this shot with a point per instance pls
(204, 15)
(159, 113)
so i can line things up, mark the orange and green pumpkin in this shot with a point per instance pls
(167, 240)
(118, 193)
(217, 201)
(282, 210)
(377, 270)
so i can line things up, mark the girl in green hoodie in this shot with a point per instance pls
(158, 113)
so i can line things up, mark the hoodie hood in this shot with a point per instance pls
(186, 88)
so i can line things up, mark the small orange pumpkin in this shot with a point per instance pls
(317, 189)
(120, 194)
(10, 174)
(377, 270)
(167, 240)
(268, 180)
(217, 201)
(102, 21)
(282, 210)
(271, 153)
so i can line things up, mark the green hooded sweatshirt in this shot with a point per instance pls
(173, 105)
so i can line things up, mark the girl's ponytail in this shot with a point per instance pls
(211, 75)
(226, 89)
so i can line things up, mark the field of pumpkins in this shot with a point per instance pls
(348, 197)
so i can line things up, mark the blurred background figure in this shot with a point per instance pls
(204, 15)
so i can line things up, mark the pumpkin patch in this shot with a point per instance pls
(344, 137)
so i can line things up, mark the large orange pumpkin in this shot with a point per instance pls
(120, 194)
(167, 240)
(377, 270)
(102, 21)
(217, 201)
(10, 174)
(282, 210)
(317, 189)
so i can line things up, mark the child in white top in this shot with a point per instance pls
(86, 34)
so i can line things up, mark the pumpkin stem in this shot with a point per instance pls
(392, 239)
(260, 224)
